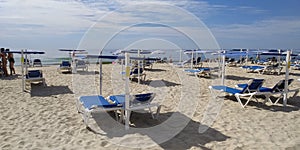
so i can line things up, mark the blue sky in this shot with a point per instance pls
(52, 24)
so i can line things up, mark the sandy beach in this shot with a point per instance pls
(47, 117)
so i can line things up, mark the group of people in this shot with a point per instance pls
(6, 56)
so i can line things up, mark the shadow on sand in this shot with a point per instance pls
(154, 70)
(41, 91)
(233, 77)
(170, 131)
(157, 83)
(10, 77)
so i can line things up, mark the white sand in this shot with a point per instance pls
(46, 117)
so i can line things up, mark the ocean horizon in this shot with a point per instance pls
(53, 59)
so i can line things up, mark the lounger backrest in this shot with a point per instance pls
(254, 85)
(143, 98)
(80, 63)
(66, 63)
(37, 60)
(34, 74)
(135, 71)
(279, 87)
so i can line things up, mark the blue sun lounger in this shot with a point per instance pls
(34, 76)
(252, 68)
(96, 103)
(246, 90)
(65, 66)
(203, 71)
(278, 88)
(134, 73)
(93, 104)
(139, 102)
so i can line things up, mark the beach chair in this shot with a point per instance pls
(134, 74)
(139, 102)
(295, 66)
(65, 66)
(34, 76)
(86, 105)
(277, 89)
(200, 72)
(148, 64)
(80, 64)
(271, 69)
(37, 62)
(252, 68)
(244, 90)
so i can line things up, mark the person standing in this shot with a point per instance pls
(4, 61)
(11, 61)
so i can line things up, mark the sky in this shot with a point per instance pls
(49, 25)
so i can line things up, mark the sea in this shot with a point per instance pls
(173, 55)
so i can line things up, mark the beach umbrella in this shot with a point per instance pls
(159, 52)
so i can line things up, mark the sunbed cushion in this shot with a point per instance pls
(192, 70)
(204, 69)
(265, 89)
(228, 89)
(120, 99)
(90, 102)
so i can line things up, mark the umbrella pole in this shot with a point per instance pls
(223, 69)
(127, 72)
(22, 66)
(279, 59)
(287, 67)
(192, 59)
(139, 67)
(100, 74)
(180, 56)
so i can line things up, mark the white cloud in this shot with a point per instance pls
(280, 32)
(35, 17)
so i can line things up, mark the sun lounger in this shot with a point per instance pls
(295, 67)
(93, 104)
(200, 72)
(277, 89)
(271, 69)
(134, 74)
(65, 66)
(34, 76)
(252, 68)
(148, 64)
(139, 102)
(37, 62)
(247, 90)
(80, 64)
